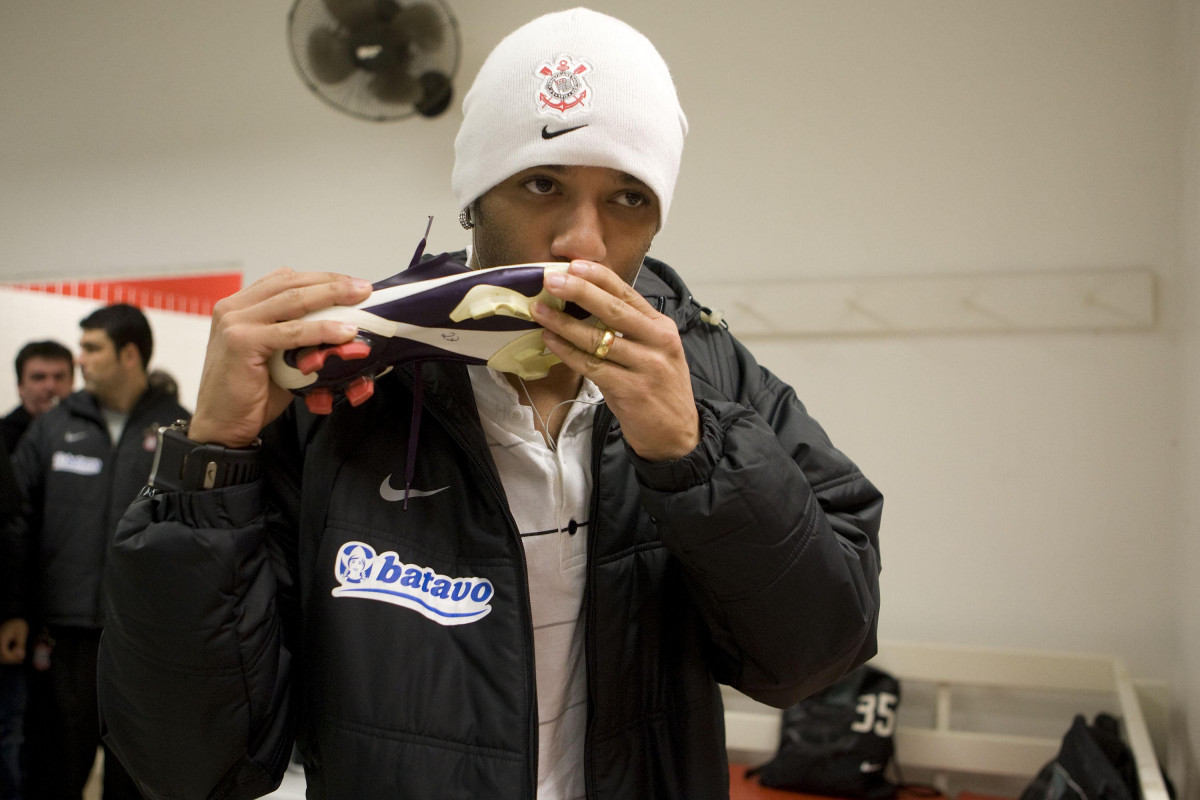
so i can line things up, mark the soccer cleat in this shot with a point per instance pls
(437, 310)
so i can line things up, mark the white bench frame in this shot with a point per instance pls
(949, 667)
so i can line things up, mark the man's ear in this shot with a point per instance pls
(130, 356)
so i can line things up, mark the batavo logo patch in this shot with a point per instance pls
(384, 577)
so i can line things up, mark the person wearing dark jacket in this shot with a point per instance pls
(12, 675)
(44, 373)
(78, 467)
(473, 584)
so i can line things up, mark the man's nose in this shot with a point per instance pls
(580, 234)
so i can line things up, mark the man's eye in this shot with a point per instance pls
(540, 185)
(631, 199)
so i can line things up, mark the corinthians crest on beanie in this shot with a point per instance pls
(572, 88)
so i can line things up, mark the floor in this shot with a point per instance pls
(743, 788)
(92, 790)
(292, 787)
(740, 787)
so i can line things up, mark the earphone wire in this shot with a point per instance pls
(550, 441)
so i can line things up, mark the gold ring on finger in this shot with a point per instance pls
(606, 343)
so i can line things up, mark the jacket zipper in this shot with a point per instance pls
(114, 449)
(530, 680)
(601, 427)
(600, 430)
(109, 524)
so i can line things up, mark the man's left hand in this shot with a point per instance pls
(14, 633)
(644, 376)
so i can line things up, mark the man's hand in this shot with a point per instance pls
(237, 398)
(644, 376)
(14, 633)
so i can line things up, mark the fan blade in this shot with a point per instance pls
(329, 55)
(395, 34)
(398, 88)
(351, 13)
(436, 92)
(386, 10)
(423, 24)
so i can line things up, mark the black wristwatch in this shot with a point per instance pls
(181, 465)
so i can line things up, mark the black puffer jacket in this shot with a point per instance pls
(241, 614)
(78, 483)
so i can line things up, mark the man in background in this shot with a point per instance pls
(12, 679)
(78, 467)
(44, 376)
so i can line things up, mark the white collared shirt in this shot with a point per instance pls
(549, 493)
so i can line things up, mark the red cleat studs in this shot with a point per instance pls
(359, 390)
(351, 350)
(319, 401)
(311, 360)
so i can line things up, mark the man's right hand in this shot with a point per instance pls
(237, 398)
(14, 633)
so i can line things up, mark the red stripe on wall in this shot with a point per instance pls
(188, 294)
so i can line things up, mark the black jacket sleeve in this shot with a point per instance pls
(777, 531)
(195, 661)
(10, 497)
(11, 556)
(28, 465)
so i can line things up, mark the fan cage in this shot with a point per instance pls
(353, 95)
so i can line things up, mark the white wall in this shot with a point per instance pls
(33, 316)
(1035, 484)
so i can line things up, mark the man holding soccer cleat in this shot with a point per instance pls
(492, 569)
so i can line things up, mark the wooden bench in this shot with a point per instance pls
(948, 734)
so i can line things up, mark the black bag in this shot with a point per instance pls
(1093, 763)
(839, 742)
(1082, 771)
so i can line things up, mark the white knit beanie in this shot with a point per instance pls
(572, 88)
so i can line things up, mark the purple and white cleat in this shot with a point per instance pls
(438, 310)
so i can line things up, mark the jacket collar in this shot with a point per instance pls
(83, 403)
(666, 291)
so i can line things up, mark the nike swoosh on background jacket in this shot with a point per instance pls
(753, 561)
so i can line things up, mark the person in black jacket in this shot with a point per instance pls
(473, 584)
(44, 373)
(78, 466)
(12, 677)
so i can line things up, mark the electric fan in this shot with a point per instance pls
(380, 60)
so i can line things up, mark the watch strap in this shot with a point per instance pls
(181, 464)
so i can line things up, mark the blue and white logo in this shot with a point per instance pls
(447, 601)
(80, 465)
